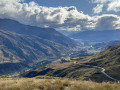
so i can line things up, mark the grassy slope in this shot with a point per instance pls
(53, 84)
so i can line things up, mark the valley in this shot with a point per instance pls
(59, 44)
(32, 55)
(28, 47)
(103, 66)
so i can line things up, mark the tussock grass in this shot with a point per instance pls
(54, 84)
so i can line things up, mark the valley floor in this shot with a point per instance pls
(48, 83)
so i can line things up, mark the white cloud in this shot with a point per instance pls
(33, 14)
(110, 5)
(114, 6)
(60, 17)
(98, 8)
(101, 1)
(107, 22)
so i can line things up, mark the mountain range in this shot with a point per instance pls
(105, 45)
(97, 36)
(22, 46)
(45, 33)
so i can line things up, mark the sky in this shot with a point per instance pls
(81, 5)
(64, 14)
(86, 6)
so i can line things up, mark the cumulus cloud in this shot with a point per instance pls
(98, 8)
(62, 18)
(107, 22)
(114, 6)
(110, 5)
(101, 1)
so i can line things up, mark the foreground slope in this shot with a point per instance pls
(49, 83)
(108, 59)
(21, 50)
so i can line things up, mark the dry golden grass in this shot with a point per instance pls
(53, 84)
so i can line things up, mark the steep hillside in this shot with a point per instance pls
(45, 33)
(97, 36)
(108, 59)
(16, 49)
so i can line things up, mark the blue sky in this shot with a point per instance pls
(85, 6)
(82, 5)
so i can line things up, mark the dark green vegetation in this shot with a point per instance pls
(108, 59)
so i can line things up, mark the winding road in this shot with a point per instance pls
(102, 70)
